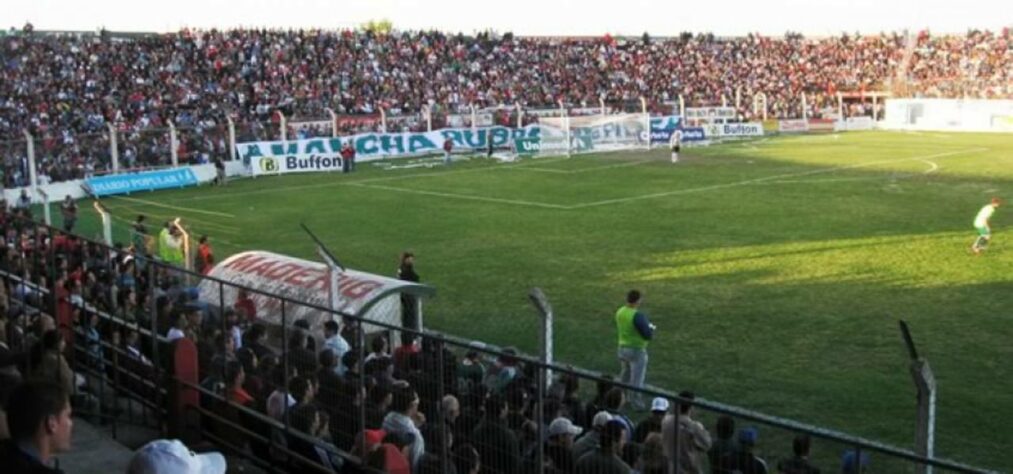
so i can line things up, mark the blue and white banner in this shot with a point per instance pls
(693, 134)
(663, 127)
(323, 154)
(143, 181)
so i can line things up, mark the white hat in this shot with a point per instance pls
(659, 404)
(601, 419)
(171, 456)
(561, 426)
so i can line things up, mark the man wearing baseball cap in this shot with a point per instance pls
(171, 456)
(651, 424)
(590, 441)
(559, 447)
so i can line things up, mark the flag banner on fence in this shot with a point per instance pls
(324, 154)
(143, 181)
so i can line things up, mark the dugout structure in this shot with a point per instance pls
(290, 289)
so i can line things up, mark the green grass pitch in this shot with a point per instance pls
(775, 269)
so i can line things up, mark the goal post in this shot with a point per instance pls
(574, 135)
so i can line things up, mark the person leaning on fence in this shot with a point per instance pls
(497, 445)
(39, 418)
(725, 442)
(635, 332)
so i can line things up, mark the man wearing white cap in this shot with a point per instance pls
(559, 447)
(590, 441)
(651, 424)
(171, 456)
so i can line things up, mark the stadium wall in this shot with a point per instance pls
(57, 191)
(949, 115)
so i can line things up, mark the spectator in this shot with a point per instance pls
(404, 417)
(49, 363)
(178, 329)
(467, 460)
(497, 446)
(651, 424)
(744, 461)
(336, 343)
(299, 355)
(392, 455)
(605, 459)
(694, 440)
(852, 463)
(725, 444)
(254, 339)
(652, 456)
(165, 456)
(246, 308)
(235, 378)
(559, 447)
(592, 439)
(38, 417)
(799, 463)
(614, 401)
(635, 332)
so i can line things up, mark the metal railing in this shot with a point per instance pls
(421, 377)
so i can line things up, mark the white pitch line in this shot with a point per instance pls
(585, 170)
(462, 196)
(933, 166)
(771, 178)
(176, 208)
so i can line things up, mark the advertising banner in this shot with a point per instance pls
(143, 181)
(792, 126)
(323, 154)
(710, 113)
(730, 130)
(663, 127)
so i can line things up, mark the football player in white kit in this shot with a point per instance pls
(675, 142)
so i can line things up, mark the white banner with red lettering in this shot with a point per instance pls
(301, 280)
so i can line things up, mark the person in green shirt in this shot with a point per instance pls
(981, 223)
(635, 331)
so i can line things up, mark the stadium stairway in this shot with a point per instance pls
(93, 450)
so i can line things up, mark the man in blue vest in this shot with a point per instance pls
(635, 332)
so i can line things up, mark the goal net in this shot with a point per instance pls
(583, 134)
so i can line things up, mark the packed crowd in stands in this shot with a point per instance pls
(65, 89)
(404, 409)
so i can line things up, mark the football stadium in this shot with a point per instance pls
(380, 248)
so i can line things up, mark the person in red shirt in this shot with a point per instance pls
(448, 147)
(205, 256)
(235, 377)
(245, 306)
(348, 157)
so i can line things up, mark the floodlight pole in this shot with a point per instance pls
(925, 384)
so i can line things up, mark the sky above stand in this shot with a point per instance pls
(523, 17)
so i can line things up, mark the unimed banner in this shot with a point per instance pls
(324, 154)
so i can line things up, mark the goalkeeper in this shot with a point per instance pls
(981, 223)
(675, 141)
